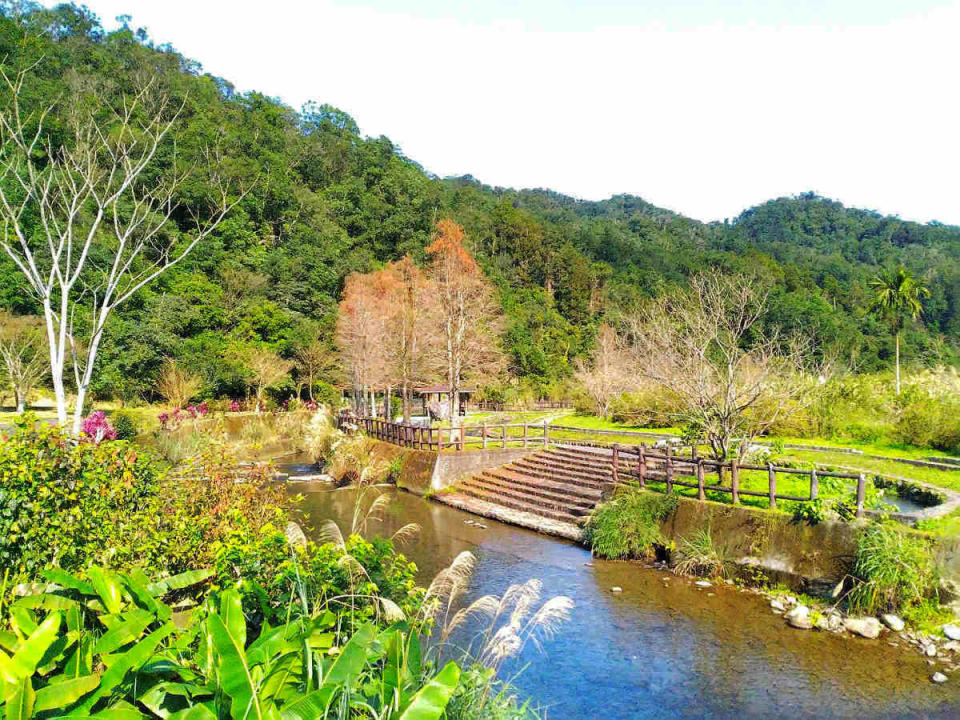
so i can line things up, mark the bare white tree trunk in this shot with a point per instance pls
(61, 210)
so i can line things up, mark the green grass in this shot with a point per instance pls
(592, 422)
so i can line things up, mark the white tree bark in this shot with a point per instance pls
(89, 195)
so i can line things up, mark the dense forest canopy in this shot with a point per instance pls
(327, 201)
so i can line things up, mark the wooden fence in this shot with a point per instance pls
(643, 464)
(520, 407)
(458, 438)
(625, 462)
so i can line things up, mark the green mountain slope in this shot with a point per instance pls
(327, 201)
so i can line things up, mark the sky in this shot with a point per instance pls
(699, 106)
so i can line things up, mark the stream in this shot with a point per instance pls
(663, 648)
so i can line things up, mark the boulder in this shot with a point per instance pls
(893, 622)
(799, 617)
(939, 678)
(952, 631)
(777, 605)
(930, 650)
(867, 627)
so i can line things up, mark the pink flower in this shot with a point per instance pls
(234, 406)
(96, 428)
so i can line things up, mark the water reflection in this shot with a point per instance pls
(662, 648)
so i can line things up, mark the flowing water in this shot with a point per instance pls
(662, 648)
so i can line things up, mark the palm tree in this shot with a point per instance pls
(897, 296)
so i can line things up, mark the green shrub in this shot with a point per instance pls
(273, 576)
(927, 421)
(628, 526)
(69, 503)
(894, 570)
(125, 425)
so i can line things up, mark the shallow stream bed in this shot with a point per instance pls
(662, 648)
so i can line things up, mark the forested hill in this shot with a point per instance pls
(327, 201)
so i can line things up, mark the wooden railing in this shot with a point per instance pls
(643, 465)
(458, 438)
(638, 463)
(519, 407)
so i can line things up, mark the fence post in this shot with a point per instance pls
(735, 481)
(642, 465)
(669, 468)
(694, 451)
(525, 435)
(701, 494)
(483, 435)
(503, 440)
(861, 493)
(461, 438)
(546, 434)
(772, 475)
(616, 463)
(814, 484)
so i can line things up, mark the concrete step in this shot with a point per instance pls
(499, 499)
(575, 460)
(553, 470)
(565, 486)
(564, 478)
(556, 499)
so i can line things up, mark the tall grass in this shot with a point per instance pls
(628, 526)
(701, 556)
(894, 570)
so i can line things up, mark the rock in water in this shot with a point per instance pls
(616, 589)
(952, 632)
(799, 617)
(295, 535)
(777, 605)
(893, 622)
(867, 627)
(930, 650)
(939, 678)
(703, 583)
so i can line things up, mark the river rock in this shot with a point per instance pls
(616, 589)
(930, 650)
(893, 622)
(952, 631)
(867, 627)
(939, 678)
(799, 617)
(777, 605)
(703, 583)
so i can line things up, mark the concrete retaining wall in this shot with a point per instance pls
(810, 558)
(451, 468)
(425, 471)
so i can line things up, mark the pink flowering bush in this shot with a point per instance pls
(235, 406)
(96, 428)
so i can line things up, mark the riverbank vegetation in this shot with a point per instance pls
(130, 586)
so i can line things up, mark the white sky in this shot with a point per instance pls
(701, 106)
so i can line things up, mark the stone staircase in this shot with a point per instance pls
(553, 490)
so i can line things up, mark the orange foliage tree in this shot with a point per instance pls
(469, 318)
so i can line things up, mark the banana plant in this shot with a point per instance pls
(108, 646)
